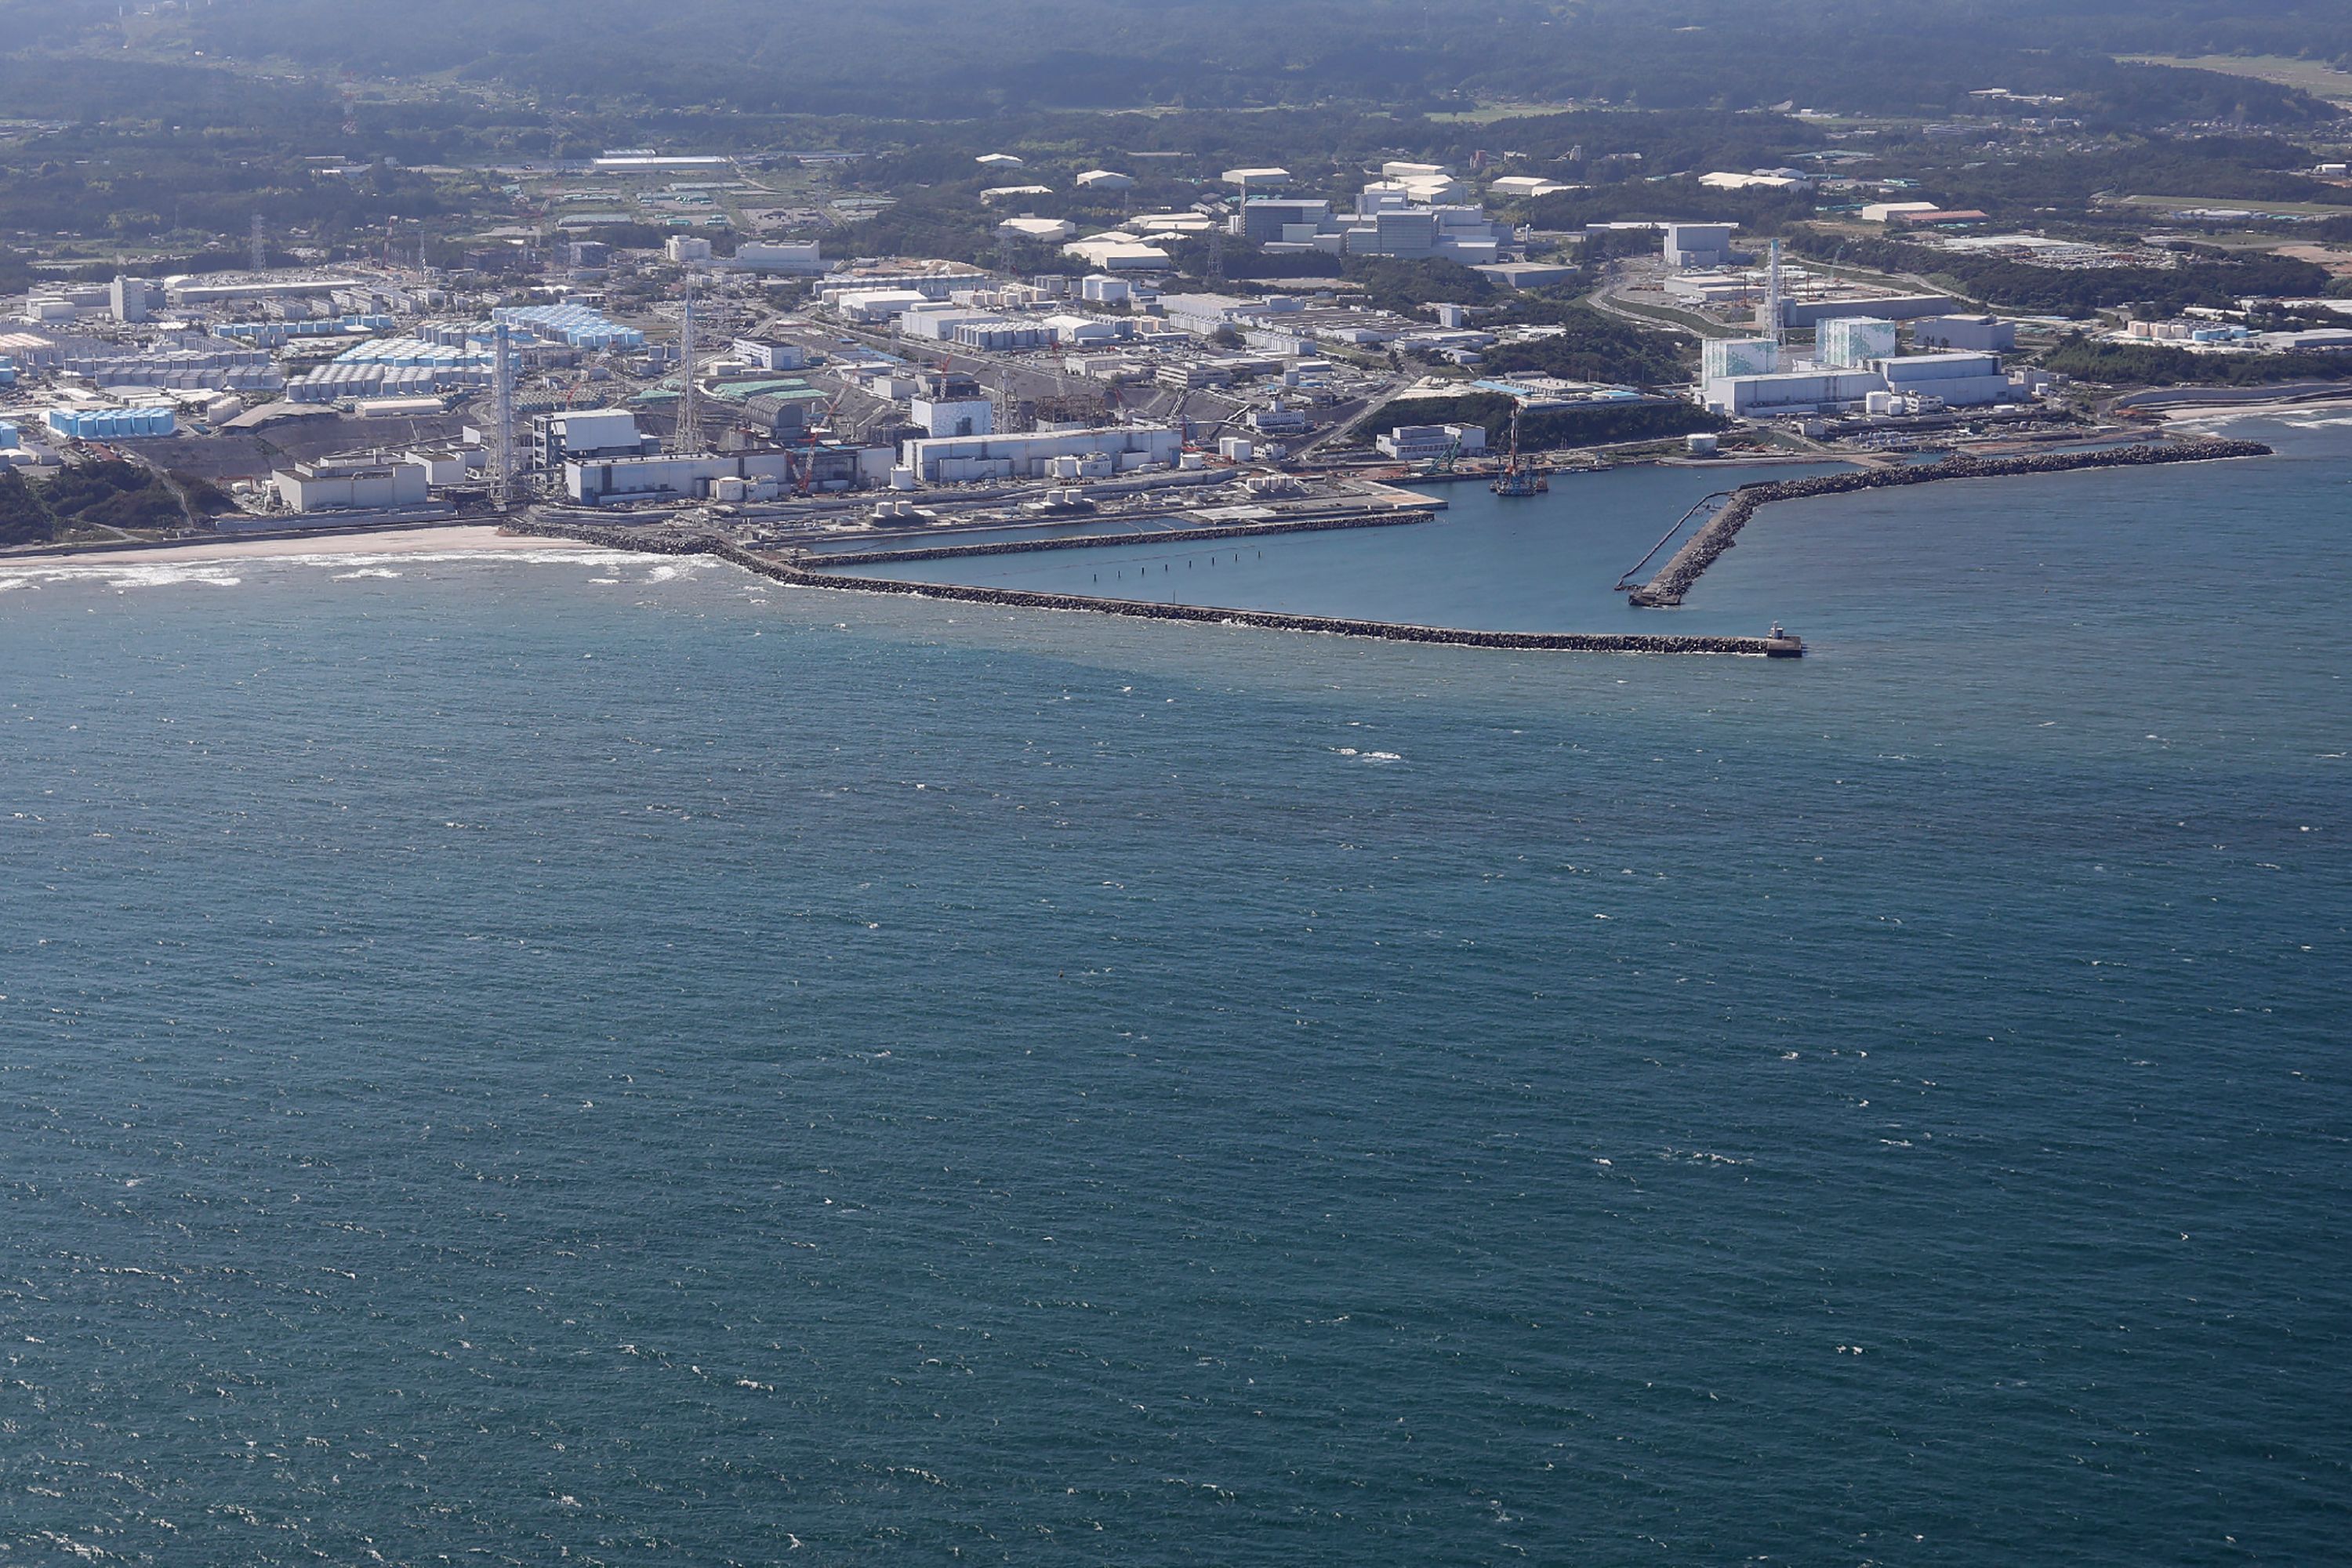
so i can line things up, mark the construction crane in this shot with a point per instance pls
(1443, 465)
(805, 471)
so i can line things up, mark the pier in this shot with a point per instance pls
(1684, 567)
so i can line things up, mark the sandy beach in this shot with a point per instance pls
(455, 539)
(2211, 412)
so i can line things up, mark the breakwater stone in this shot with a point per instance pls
(674, 542)
(1704, 548)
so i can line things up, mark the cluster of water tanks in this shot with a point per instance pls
(109, 424)
(335, 382)
(271, 334)
(578, 325)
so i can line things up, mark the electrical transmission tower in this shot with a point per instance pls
(686, 439)
(502, 428)
(260, 247)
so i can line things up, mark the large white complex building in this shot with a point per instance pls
(963, 459)
(954, 416)
(1788, 392)
(586, 434)
(1720, 357)
(1424, 443)
(329, 486)
(1699, 244)
(1849, 342)
(1394, 217)
(742, 476)
(800, 256)
(1960, 379)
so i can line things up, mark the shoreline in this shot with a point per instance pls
(2223, 412)
(446, 539)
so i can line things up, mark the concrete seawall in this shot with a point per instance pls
(673, 542)
(1225, 535)
(1675, 577)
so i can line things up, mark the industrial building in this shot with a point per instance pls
(1885, 306)
(1721, 357)
(733, 477)
(1698, 244)
(1788, 392)
(963, 459)
(953, 417)
(1982, 334)
(1118, 252)
(128, 300)
(586, 436)
(761, 354)
(685, 249)
(1428, 443)
(1960, 379)
(797, 256)
(1526, 274)
(932, 279)
(1392, 217)
(1044, 230)
(873, 306)
(1248, 180)
(1525, 188)
(1104, 180)
(349, 484)
(1849, 342)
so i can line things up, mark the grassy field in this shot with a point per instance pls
(2313, 77)
(2230, 204)
(1489, 113)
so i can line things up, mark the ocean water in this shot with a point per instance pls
(1528, 563)
(603, 1060)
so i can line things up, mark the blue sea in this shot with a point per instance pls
(543, 1058)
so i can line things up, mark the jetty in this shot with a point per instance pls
(1684, 567)
(1216, 534)
(668, 540)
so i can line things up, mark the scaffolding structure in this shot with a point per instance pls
(686, 439)
(502, 420)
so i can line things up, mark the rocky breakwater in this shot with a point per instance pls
(1225, 534)
(1675, 578)
(664, 540)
